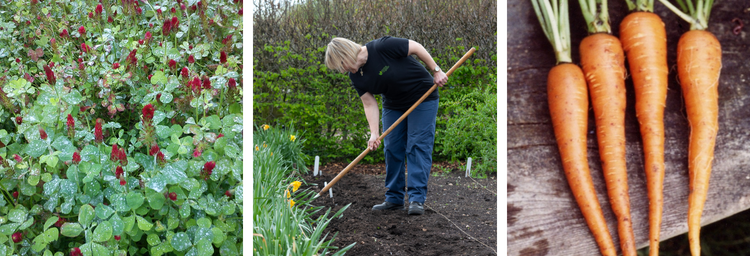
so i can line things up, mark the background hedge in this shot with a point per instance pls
(293, 87)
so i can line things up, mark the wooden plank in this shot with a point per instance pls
(543, 218)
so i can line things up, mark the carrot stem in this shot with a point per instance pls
(554, 21)
(597, 20)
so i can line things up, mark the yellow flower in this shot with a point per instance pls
(286, 192)
(291, 203)
(264, 145)
(271, 153)
(257, 148)
(265, 127)
(292, 137)
(295, 185)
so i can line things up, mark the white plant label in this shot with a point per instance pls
(317, 161)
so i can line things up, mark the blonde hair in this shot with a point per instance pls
(341, 50)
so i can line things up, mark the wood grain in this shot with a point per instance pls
(543, 218)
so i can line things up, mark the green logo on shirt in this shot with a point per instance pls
(383, 70)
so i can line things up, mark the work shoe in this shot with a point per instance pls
(388, 206)
(416, 208)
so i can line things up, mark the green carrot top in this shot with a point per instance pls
(695, 12)
(553, 16)
(640, 5)
(597, 20)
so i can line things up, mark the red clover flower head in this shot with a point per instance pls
(148, 112)
(19, 120)
(60, 222)
(185, 72)
(223, 57)
(191, 59)
(160, 158)
(206, 83)
(17, 237)
(98, 131)
(166, 27)
(119, 171)
(76, 252)
(76, 157)
(82, 31)
(131, 57)
(209, 167)
(71, 122)
(172, 64)
(195, 85)
(114, 156)
(42, 134)
(232, 84)
(227, 39)
(64, 33)
(122, 156)
(98, 9)
(116, 65)
(50, 74)
(154, 150)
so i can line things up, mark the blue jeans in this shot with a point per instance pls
(411, 140)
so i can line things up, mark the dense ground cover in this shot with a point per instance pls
(121, 127)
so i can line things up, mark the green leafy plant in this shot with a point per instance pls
(285, 222)
(468, 131)
(120, 128)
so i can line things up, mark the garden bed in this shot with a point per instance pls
(453, 201)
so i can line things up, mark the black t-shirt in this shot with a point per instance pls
(391, 72)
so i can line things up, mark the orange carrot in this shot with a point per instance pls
(568, 104)
(645, 42)
(603, 64)
(698, 68)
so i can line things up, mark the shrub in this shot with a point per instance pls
(470, 130)
(106, 148)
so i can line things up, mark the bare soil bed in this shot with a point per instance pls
(460, 213)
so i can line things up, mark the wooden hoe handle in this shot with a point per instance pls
(367, 150)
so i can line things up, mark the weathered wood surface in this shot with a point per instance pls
(543, 218)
